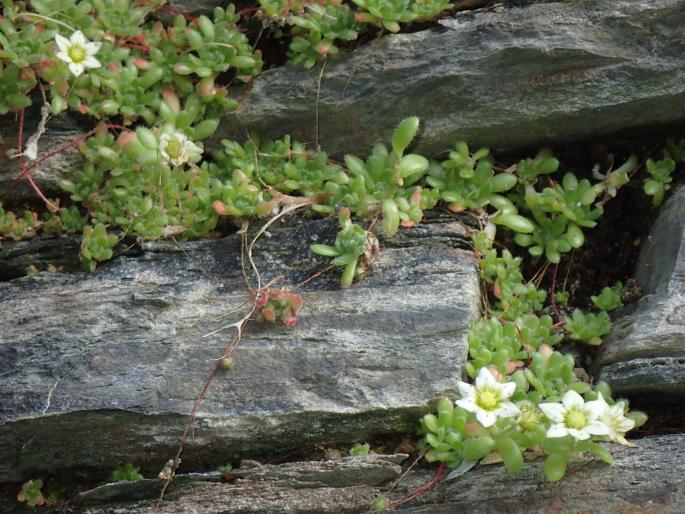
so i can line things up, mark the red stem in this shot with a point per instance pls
(21, 138)
(26, 170)
(423, 489)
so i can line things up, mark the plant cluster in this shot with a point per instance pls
(526, 399)
(126, 472)
(147, 176)
(31, 493)
(112, 61)
(660, 171)
(318, 28)
(279, 304)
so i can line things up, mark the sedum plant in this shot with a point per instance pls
(610, 297)
(387, 14)
(112, 60)
(587, 327)
(660, 178)
(126, 472)
(351, 244)
(316, 31)
(359, 450)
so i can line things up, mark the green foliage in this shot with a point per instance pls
(17, 228)
(317, 30)
(467, 181)
(359, 449)
(225, 470)
(97, 245)
(31, 493)
(387, 14)
(350, 244)
(551, 220)
(610, 297)
(279, 304)
(660, 178)
(587, 327)
(544, 163)
(380, 503)
(514, 296)
(518, 352)
(139, 60)
(126, 472)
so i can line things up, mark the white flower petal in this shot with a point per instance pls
(508, 389)
(77, 38)
(62, 42)
(597, 428)
(467, 405)
(597, 409)
(554, 411)
(622, 440)
(63, 56)
(91, 62)
(484, 378)
(485, 418)
(558, 430)
(625, 425)
(507, 410)
(465, 390)
(571, 398)
(75, 68)
(581, 435)
(93, 47)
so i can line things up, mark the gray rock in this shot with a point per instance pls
(645, 353)
(286, 480)
(644, 479)
(61, 130)
(103, 368)
(507, 77)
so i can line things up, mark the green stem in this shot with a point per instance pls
(348, 274)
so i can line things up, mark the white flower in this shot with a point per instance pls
(574, 417)
(613, 417)
(177, 149)
(488, 398)
(78, 52)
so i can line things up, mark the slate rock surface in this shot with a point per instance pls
(645, 479)
(103, 368)
(645, 353)
(60, 131)
(259, 487)
(507, 77)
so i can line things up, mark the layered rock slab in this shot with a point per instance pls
(506, 77)
(645, 353)
(103, 368)
(645, 479)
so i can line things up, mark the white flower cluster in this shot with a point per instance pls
(489, 400)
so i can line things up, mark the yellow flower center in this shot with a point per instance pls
(530, 418)
(487, 398)
(77, 53)
(173, 148)
(575, 418)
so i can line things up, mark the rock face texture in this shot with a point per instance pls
(60, 131)
(646, 479)
(645, 353)
(103, 368)
(348, 484)
(506, 77)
